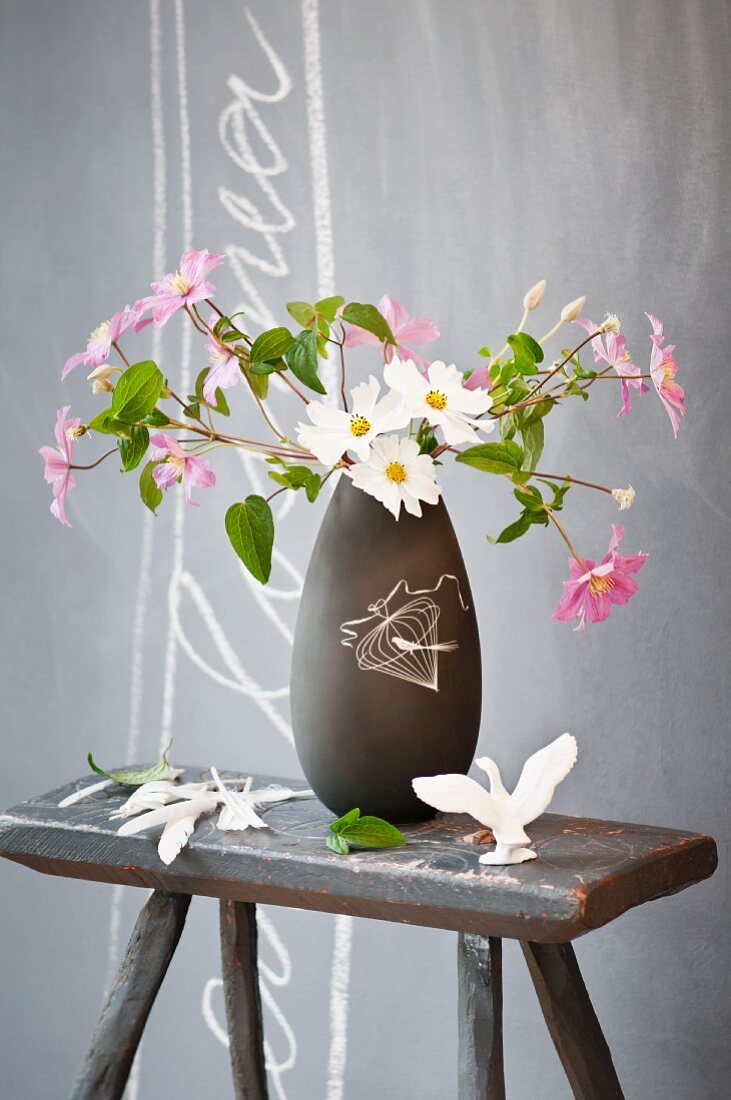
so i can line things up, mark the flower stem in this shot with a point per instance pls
(564, 361)
(506, 347)
(93, 464)
(120, 353)
(341, 346)
(203, 331)
(572, 480)
(551, 332)
(564, 536)
(283, 375)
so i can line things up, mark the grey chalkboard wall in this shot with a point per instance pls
(451, 154)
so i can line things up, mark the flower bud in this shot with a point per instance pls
(573, 309)
(99, 379)
(624, 497)
(611, 323)
(534, 297)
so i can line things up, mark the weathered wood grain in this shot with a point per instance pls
(479, 967)
(116, 1037)
(588, 872)
(572, 1022)
(239, 967)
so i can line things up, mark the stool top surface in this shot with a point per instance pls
(588, 872)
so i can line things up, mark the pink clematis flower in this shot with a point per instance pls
(58, 463)
(101, 340)
(174, 463)
(594, 588)
(663, 366)
(224, 372)
(406, 330)
(611, 348)
(479, 379)
(181, 288)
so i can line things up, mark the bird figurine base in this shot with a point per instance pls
(505, 854)
(505, 814)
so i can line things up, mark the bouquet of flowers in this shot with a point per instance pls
(387, 434)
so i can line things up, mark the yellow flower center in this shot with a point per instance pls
(359, 425)
(668, 367)
(180, 283)
(396, 471)
(177, 462)
(101, 332)
(436, 399)
(599, 586)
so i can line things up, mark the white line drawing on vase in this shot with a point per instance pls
(401, 638)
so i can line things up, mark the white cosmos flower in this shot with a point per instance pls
(395, 473)
(334, 431)
(440, 396)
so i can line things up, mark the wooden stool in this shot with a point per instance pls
(587, 874)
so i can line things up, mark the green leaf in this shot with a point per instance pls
(575, 388)
(132, 451)
(136, 392)
(137, 776)
(368, 317)
(530, 497)
(347, 819)
(372, 832)
(102, 423)
(312, 487)
(526, 352)
(298, 477)
(259, 384)
(337, 844)
(515, 530)
(250, 528)
(157, 419)
(427, 440)
(149, 492)
(533, 438)
(271, 345)
(262, 369)
(509, 425)
(559, 492)
(192, 411)
(221, 405)
(302, 360)
(328, 307)
(303, 313)
(364, 832)
(494, 458)
(485, 353)
(226, 331)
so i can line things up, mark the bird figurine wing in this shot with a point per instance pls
(458, 794)
(541, 774)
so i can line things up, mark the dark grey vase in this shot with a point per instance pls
(386, 669)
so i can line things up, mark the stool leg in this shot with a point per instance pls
(572, 1022)
(481, 1074)
(108, 1061)
(240, 970)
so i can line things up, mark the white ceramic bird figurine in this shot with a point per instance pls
(506, 814)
